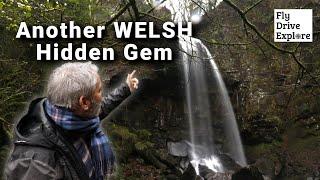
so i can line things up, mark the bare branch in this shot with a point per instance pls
(299, 77)
(152, 9)
(135, 9)
(205, 12)
(225, 44)
(253, 6)
(118, 14)
(146, 14)
(255, 29)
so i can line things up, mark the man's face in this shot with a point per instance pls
(97, 99)
(98, 91)
(90, 107)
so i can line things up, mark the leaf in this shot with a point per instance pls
(28, 8)
(1, 5)
(28, 14)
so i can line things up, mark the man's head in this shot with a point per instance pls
(76, 86)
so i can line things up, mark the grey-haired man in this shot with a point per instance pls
(60, 137)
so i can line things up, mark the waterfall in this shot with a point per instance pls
(195, 60)
(201, 136)
(197, 63)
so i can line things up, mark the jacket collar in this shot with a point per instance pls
(37, 129)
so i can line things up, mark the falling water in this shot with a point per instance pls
(197, 63)
(184, 10)
(231, 126)
(202, 142)
(195, 58)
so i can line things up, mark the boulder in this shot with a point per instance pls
(189, 173)
(246, 173)
(208, 174)
(179, 149)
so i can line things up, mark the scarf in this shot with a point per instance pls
(93, 148)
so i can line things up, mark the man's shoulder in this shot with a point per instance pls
(33, 161)
(37, 146)
(32, 128)
(22, 150)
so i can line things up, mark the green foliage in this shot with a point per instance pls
(264, 149)
(143, 145)
(278, 122)
(122, 133)
(53, 12)
(17, 84)
(29, 11)
(143, 134)
(126, 141)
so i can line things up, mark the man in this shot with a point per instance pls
(60, 137)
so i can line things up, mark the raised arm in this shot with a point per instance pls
(113, 99)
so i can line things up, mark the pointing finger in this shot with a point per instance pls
(134, 71)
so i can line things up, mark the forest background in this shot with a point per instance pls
(274, 87)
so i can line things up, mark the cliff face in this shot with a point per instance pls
(276, 103)
(275, 100)
(159, 107)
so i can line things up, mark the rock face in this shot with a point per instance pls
(228, 163)
(251, 173)
(182, 149)
(159, 107)
(189, 174)
(246, 173)
(179, 149)
(261, 130)
(208, 174)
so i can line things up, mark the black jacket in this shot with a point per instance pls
(41, 149)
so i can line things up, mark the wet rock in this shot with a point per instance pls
(189, 173)
(172, 162)
(179, 149)
(184, 163)
(166, 158)
(150, 157)
(171, 177)
(247, 173)
(205, 172)
(268, 167)
(208, 174)
(228, 163)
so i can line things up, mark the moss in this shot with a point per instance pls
(143, 134)
(301, 144)
(143, 145)
(126, 142)
(264, 150)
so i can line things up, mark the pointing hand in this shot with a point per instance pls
(132, 82)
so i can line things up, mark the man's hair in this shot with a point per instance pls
(70, 81)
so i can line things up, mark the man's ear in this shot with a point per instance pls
(84, 103)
